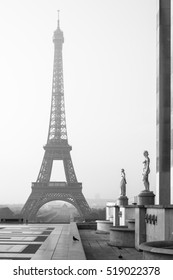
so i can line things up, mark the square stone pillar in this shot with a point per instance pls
(109, 210)
(107, 213)
(116, 218)
(140, 226)
(163, 97)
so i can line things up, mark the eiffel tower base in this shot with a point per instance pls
(46, 192)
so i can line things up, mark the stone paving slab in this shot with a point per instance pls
(12, 248)
(18, 238)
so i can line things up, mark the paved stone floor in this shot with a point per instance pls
(40, 242)
(55, 242)
(96, 247)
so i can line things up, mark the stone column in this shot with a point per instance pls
(163, 96)
(116, 221)
(140, 226)
(107, 213)
(109, 210)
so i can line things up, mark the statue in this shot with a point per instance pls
(146, 170)
(123, 183)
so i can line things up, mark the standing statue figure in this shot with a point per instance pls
(146, 170)
(123, 183)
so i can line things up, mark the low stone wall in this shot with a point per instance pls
(87, 225)
(104, 226)
(122, 236)
(157, 250)
(12, 220)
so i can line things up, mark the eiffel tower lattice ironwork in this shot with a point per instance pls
(57, 148)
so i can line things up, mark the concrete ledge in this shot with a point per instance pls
(160, 206)
(103, 225)
(122, 236)
(60, 245)
(130, 206)
(76, 251)
(157, 250)
(87, 225)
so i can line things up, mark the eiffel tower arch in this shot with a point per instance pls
(44, 193)
(57, 148)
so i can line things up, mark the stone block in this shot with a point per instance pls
(146, 198)
(122, 201)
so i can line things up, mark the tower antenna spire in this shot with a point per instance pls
(58, 17)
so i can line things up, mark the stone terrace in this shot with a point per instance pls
(96, 247)
(55, 242)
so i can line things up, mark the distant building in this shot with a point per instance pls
(5, 212)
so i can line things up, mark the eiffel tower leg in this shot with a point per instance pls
(82, 205)
(69, 170)
(28, 207)
(35, 201)
(45, 170)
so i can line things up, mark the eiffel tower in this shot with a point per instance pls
(57, 148)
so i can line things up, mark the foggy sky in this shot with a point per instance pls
(109, 61)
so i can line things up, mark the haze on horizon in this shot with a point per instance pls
(109, 61)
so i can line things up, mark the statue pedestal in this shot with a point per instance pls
(146, 198)
(122, 200)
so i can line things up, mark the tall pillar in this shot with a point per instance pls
(163, 165)
(172, 104)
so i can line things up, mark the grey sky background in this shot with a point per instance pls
(109, 60)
